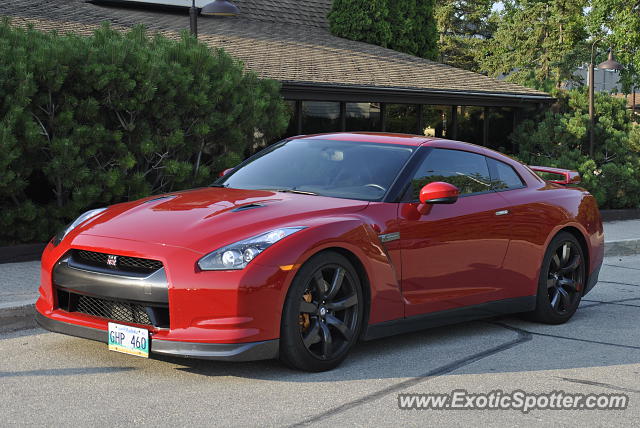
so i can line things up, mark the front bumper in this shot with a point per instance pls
(223, 307)
(248, 351)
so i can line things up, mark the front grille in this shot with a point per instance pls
(119, 311)
(115, 310)
(123, 263)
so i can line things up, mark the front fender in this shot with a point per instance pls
(355, 236)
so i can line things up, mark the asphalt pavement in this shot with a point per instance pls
(51, 379)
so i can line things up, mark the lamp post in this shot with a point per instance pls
(609, 64)
(193, 19)
(215, 8)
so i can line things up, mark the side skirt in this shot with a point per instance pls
(451, 316)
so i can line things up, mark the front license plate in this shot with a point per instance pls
(130, 340)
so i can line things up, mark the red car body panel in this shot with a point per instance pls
(448, 257)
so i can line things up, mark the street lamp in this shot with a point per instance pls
(215, 8)
(220, 8)
(193, 18)
(609, 64)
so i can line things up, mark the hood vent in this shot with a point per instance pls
(159, 198)
(247, 207)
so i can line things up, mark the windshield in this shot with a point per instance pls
(342, 169)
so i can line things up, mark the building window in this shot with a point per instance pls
(402, 118)
(437, 121)
(320, 116)
(470, 124)
(363, 117)
(500, 129)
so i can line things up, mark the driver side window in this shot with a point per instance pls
(467, 171)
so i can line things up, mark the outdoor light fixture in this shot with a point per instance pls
(215, 8)
(609, 64)
(220, 8)
(193, 18)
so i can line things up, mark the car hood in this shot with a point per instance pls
(205, 219)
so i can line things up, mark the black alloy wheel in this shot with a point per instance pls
(322, 314)
(566, 277)
(562, 280)
(328, 312)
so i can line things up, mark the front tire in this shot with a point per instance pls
(562, 280)
(322, 314)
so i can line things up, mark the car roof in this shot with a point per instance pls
(370, 137)
(409, 140)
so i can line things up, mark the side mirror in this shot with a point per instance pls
(439, 192)
(225, 172)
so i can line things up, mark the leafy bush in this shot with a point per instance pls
(90, 121)
(406, 26)
(560, 138)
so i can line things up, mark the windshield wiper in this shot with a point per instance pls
(217, 185)
(302, 192)
(293, 190)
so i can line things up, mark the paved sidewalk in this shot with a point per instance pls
(19, 281)
(622, 238)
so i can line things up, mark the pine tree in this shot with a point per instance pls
(464, 28)
(538, 43)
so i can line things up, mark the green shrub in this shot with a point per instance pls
(91, 121)
(560, 138)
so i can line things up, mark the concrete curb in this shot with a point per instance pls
(626, 247)
(17, 317)
(21, 253)
(21, 314)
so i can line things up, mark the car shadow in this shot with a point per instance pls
(600, 334)
(515, 344)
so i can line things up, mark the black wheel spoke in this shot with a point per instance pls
(551, 282)
(321, 284)
(555, 299)
(336, 283)
(327, 340)
(308, 308)
(566, 252)
(312, 336)
(567, 284)
(571, 266)
(341, 305)
(564, 296)
(340, 326)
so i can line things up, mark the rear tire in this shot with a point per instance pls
(322, 314)
(562, 280)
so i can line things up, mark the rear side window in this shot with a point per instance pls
(467, 171)
(503, 176)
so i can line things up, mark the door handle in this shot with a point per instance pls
(502, 212)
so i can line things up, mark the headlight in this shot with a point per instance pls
(238, 255)
(84, 217)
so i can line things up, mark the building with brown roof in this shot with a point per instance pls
(331, 83)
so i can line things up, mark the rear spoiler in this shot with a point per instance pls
(568, 176)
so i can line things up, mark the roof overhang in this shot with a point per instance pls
(178, 4)
(350, 93)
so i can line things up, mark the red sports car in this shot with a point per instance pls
(319, 241)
